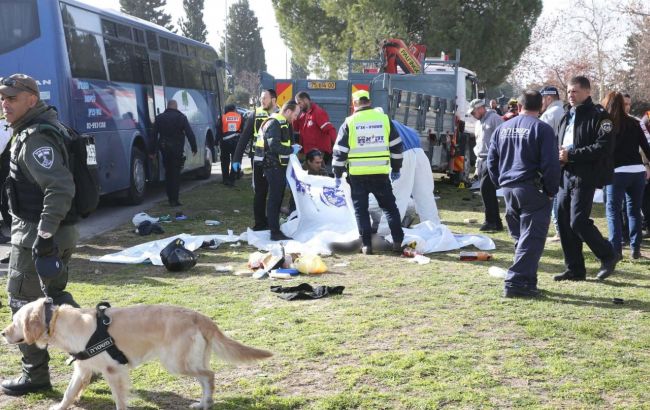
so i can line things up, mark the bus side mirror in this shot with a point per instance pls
(481, 94)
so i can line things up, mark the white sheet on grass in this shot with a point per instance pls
(150, 251)
(324, 214)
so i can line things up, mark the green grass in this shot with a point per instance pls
(402, 336)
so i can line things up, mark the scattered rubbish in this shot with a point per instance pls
(243, 273)
(211, 222)
(260, 274)
(306, 291)
(475, 256)
(180, 216)
(223, 268)
(141, 217)
(283, 273)
(420, 259)
(409, 252)
(176, 257)
(235, 245)
(255, 260)
(165, 219)
(236, 211)
(497, 272)
(618, 301)
(470, 220)
(310, 264)
(341, 265)
(146, 227)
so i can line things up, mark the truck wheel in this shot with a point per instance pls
(205, 171)
(138, 179)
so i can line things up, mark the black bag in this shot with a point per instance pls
(82, 162)
(176, 257)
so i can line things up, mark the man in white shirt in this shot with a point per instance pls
(552, 113)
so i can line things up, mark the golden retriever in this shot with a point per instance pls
(181, 339)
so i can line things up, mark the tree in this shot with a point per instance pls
(193, 26)
(491, 34)
(636, 79)
(149, 10)
(298, 71)
(243, 40)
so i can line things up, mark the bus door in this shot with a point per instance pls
(157, 105)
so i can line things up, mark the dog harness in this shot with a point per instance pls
(101, 341)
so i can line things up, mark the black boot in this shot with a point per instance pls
(22, 386)
(279, 236)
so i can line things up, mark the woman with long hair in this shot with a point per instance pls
(629, 175)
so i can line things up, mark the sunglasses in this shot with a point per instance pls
(16, 83)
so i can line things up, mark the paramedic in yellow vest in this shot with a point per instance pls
(369, 148)
(251, 134)
(228, 132)
(277, 134)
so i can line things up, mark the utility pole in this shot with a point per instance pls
(225, 36)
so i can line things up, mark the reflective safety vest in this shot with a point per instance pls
(285, 132)
(230, 124)
(368, 137)
(261, 115)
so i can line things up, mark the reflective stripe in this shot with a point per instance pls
(229, 137)
(396, 156)
(368, 163)
(338, 163)
(340, 148)
(396, 141)
(257, 159)
(323, 126)
(369, 149)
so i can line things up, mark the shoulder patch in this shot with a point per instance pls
(44, 156)
(606, 125)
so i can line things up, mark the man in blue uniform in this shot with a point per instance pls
(523, 161)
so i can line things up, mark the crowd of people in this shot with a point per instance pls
(547, 157)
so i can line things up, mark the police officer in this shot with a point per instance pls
(252, 135)
(40, 190)
(173, 128)
(277, 133)
(523, 161)
(370, 146)
(586, 155)
(227, 137)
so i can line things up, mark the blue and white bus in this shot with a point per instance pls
(109, 74)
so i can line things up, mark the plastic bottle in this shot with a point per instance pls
(475, 256)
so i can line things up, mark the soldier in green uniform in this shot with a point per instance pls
(40, 189)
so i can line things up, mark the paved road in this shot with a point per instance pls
(110, 214)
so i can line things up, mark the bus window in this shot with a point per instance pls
(164, 43)
(138, 35)
(173, 70)
(155, 71)
(18, 24)
(86, 54)
(184, 50)
(124, 32)
(173, 46)
(109, 28)
(126, 62)
(151, 40)
(80, 19)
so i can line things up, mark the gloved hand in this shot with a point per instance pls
(394, 176)
(296, 148)
(236, 166)
(337, 180)
(44, 247)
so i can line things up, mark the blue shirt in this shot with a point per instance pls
(523, 149)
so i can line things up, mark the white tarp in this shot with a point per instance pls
(150, 251)
(324, 214)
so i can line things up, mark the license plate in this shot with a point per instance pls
(321, 85)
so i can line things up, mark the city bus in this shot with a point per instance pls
(108, 75)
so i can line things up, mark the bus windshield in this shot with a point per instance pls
(18, 23)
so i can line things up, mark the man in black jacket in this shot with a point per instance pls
(586, 156)
(173, 127)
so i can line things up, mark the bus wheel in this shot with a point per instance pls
(138, 182)
(205, 171)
